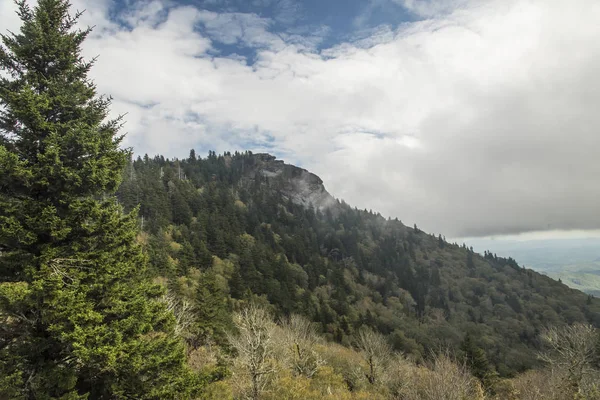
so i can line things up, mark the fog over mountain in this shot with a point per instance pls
(470, 118)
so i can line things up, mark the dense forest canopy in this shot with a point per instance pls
(236, 275)
(240, 217)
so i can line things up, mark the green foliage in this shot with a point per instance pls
(476, 359)
(342, 267)
(212, 317)
(79, 317)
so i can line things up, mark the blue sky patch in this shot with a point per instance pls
(321, 24)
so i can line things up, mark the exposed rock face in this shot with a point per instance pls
(295, 183)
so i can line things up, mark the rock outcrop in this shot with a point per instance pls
(297, 184)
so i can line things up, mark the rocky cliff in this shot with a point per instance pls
(297, 184)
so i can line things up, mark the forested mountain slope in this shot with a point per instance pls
(238, 226)
(231, 250)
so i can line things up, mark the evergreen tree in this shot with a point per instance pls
(211, 309)
(79, 317)
(441, 242)
(435, 279)
(470, 263)
(181, 210)
(477, 361)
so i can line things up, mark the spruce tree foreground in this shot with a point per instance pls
(79, 317)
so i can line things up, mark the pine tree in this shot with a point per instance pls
(477, 361)
(212, 309)
(470, 263)
(78, 317)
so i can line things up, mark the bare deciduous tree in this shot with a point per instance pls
(448, 380)
(300, 338)
(183, 311)
(399, 377)
(570, 351)
(376, 351)
(538, 385)
(254, 342)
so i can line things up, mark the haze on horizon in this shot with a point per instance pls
(469, 117)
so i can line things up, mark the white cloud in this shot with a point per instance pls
(10, 20)
(481, 119)
(232, 28)
(432, 8)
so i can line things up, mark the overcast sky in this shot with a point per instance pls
(467, 117)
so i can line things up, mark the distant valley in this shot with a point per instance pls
(574, 261)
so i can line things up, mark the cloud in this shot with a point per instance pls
(233, 28)
(479, 119)
(432, 8)
(10, 20)
(288, 11)
(285, 12)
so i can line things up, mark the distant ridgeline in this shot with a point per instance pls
(256, 227)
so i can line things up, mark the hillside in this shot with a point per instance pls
(250, 226)
(238, 276)
(574, 261)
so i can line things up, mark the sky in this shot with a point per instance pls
(467, 117)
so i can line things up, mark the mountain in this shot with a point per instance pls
(250, 227)
(576, 261)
